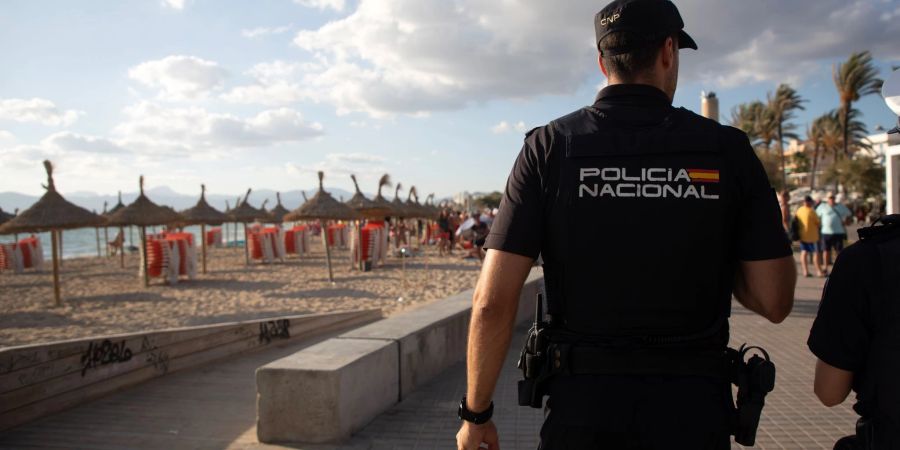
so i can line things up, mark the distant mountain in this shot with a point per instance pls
(164, 195)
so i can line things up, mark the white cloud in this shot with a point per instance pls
(506, 127)
(413, 57)
(354, 158)
(6, 137)
(174, 4)
(180, 77)
(68, 142)
(337, 5)
(37, 110)
(276, 84)
(153, 128)
(253, 33)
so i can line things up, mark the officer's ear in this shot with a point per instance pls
(602, 66)
(669, 51)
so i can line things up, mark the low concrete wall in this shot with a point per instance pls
(427, 340)
(36, 380)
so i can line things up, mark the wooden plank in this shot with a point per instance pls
(313, 326)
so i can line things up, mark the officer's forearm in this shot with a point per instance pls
(767, 287)
(494, 309)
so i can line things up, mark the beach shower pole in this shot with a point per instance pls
(203, 244)
(54, 243)
(144, 256)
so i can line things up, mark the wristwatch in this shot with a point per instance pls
(476, 418)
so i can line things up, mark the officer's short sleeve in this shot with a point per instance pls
(839, 335)
(518, 225)
(760, 234)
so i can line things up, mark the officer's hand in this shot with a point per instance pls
(471, 436)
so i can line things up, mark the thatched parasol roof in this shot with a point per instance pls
(243, 212)
(379, 199)
(367, 207)
(322, 206)
(202, 213)
(429, 203)
(277, 213)
(116, 208)
(399, 207)
(5, 216)
(415, 208)
(144, 213)
(51, 212)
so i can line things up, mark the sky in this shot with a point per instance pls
(438, 93)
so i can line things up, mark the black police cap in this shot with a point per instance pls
(649, 19)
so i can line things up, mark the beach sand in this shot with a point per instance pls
(100, 298)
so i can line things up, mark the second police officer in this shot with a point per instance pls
(648, 218)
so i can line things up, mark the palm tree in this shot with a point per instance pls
(831, 134)
(781, 109)
(824, 134)
(854, 78)
(757, 121)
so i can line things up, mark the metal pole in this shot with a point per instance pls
(144, 256)
(361, 264)
(54, 243)
(203, 244)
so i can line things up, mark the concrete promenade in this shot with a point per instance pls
(213, 407)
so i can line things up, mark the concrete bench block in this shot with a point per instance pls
(326, 392)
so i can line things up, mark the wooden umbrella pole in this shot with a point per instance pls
(144, 256)
(359, 249)
(106, 239)
(122, 248)
(203, 244)
(246, 245)
(60, 237)
(54, 243)
(97, 233)
(322, 224)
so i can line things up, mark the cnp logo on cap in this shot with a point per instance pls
(648, 20)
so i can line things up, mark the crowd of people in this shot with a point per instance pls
(464, 231)
(821, 229)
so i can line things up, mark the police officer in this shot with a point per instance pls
(648, 218)
(856, 336)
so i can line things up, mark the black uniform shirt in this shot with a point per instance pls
(519, 226)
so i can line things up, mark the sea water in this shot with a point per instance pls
(82, 242)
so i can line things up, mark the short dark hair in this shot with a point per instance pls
(628, 66)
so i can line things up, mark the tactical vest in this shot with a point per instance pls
(640, 228)
(879, 394)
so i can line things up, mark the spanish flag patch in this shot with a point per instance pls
(703, 175)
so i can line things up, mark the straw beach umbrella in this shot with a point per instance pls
(379, 199)
(244, 213)
(5, 216)
(368, 209)
(399, 207)
(323, 207)
(202, 214)
(52, 213)
(276, 215)
(144, 213)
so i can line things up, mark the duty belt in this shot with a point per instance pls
(577, 359)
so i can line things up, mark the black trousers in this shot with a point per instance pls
(593, 412)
